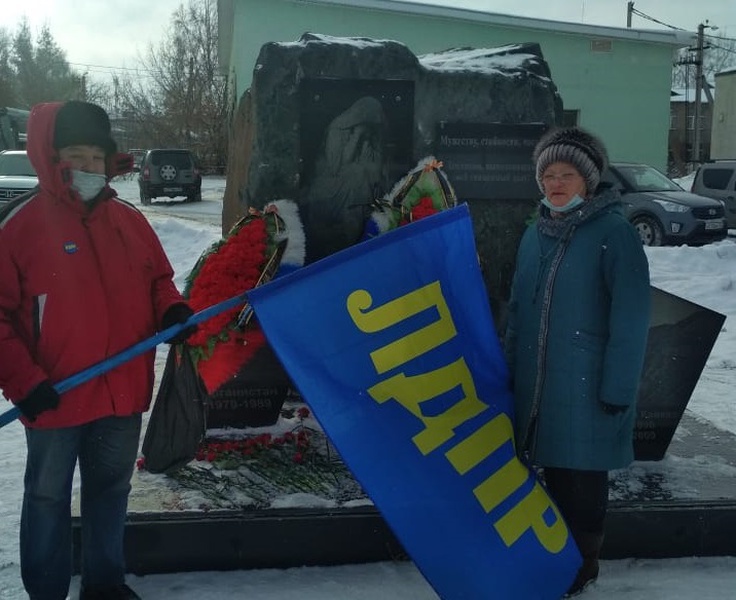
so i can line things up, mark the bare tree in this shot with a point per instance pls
(97, 91)
(181, 100)
(719, 53)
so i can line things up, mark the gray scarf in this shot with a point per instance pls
(559, 226)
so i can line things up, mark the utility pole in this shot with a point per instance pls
(629, 12)
(698, 90)
(700, 82)
(684, 155)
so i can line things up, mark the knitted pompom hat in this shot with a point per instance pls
(575, 146)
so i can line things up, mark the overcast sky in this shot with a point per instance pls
(100, 33)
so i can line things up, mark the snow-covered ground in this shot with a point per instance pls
(705, 275)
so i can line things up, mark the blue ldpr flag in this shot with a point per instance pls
(392, 344)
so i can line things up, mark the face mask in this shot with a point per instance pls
(88, 184)
(573, 203)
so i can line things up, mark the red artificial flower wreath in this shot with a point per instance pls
(233, 265)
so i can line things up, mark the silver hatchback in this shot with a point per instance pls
(661, 211)
(17, 175)
(717, 179)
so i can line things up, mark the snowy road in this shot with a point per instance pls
(208, 211)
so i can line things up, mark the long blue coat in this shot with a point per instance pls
(576, 336)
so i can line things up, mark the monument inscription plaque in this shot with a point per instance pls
(681, 336)
(254, 397)
(486, 161)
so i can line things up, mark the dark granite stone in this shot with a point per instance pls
(506, 85)
(334, 123)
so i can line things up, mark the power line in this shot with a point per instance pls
(140, 72)
(108, 67)
(653, 20)
(720, 37)
(729, 50)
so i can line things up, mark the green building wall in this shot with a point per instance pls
(621, 93)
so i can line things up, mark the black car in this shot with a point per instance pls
(169, 172)
(138, 156)
(661, 211)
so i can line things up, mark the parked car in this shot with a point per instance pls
(171, 173)
(17, 175)
(138, 155)
(13, 128)
(661, 211)
(717, 179)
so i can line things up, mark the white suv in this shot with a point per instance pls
(717, 179)
(17, 175)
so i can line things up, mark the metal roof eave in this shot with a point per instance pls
(674, 38)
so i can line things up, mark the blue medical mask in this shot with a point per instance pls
(88, 185)
(573, 203)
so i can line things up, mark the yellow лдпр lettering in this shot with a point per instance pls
(411, 391)
(408, 347)
(529, 512)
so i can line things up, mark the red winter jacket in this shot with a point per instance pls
(78, 284)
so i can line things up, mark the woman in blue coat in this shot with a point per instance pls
(576, 336)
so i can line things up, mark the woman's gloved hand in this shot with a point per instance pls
(613, 409)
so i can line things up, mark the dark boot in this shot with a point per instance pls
(115, 592)
(589, 545)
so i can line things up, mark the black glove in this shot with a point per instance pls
(43, 397)
(613, 409)
(178, 313)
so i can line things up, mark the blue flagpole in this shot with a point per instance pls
(132, 351)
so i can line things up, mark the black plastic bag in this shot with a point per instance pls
(177, 423)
